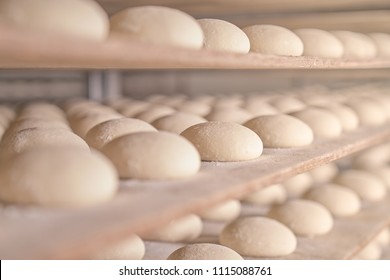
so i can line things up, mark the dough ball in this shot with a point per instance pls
(382, 43)
(260, 108)
(8, 113)
(135, 107)
(220, 35)
(303, 217)
(20, 125)
(366, 185)
(297, 185)
(74, 18)
(324, 173)
(183, 229)
(83, 125)
(273, 194)
(369, 111)
(228, 101)
(272, 39)
(131, 248)
(372, 251)
(349, 120)
(90, 111)
(281, 131)
(373, 157)
(339, 200)
(177, 122)
(194, 107)
(317, 42)
(155, 112)
(204, 251)
(287, 104)
(383, 173)
(46, 110)
(153, 155)
(224, 141)
(59, 176)
(224, 114)
(258, 237)
(322, 122)
(356, 45)
(104, 132)
(383, 237)
(223, 212)
(158, 25)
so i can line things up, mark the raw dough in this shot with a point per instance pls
(356, 45)
(223, 212)
(297, 185)
(373, 157)
(383, 173)
(194, 107)
(348, 118)
(155, 112)
(158, 25)
(153, 155)
(7, 112)
(273, 194)
(281, 131)
(258, 237)
(81, 126)
(383, 238)
(324, 173)
(287, 104)
(135, 107)
(303, 217)
(177, 122)
(382, 43)
(224, 141)
(372, 251)
(204, 251)
(259, 108)
(132, 248)
(59, 176)
(369, 111)
(220, 35)
(272, 39)
(226, 114)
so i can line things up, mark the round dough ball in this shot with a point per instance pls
(58, 177)
(273, 194)
(366, 185)
(324, 173)
(204, 251)
(369, 111)
(132, 248)
(260, 108)
(322, 122)
(281, 131)
(8, 113)
(287, 104)
(177, 122)
(135, 107)
(272, 39)
(383, 237)
(356, 45)
(19, 125)
(224, 114)
(339, 200)
(158, 25)
(224, 141)
(194, 107)
(155, 112)
(228, 101)
(153, 155)
(42, 107)
(223, 212)
(373, 157)
(258, 237)
(183, 229)
(349, 120)
(303, 217)
(74, 18)
(104, 132)
(372, 251)
(83, 125)
(220, 35)
(297, 185)
(317, 42)
(382, 43)
(383, 173)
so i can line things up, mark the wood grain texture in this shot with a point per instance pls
(38, 233)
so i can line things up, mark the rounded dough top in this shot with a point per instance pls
(177, 122)
(131, 248)
(382, 42)
(356, 45)
(225, 211)
(224, 114)
(221, 35)
(159, 25)
(273, 194)
(204, 251)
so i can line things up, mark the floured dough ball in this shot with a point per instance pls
(153, 155)
(58, 177)
(324, 173)
(232, 101)
(131, 248)
(382, 43)
(7, 113)
(224, 141)
(297, 185)
(339, 200)
(303, 217)
(107, 131)
(74, 18)
(220, 35)
(372, 251)
(273, 194)
(281, 131)
(133, 108)
(287, 104)
(373, 157)
(225, 114)
(317, 42)
(183, 229)
(177, 122)
(204, 251)
(258, 237)
(348, 118)
(158, 25)
(322, 122)
(194, 107)
(259, 108)
(45, 109)
(383, 173)
(81, 126)
(223, 212)
(272, 39)
(369, 111)
(155, 112)
(383, 237)
(367, 186)
(356, 45)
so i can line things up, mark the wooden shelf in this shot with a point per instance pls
(37, 233)
(23, 50)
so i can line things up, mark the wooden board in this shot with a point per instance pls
(38, 233)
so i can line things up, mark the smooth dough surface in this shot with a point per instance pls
(224, 141)
(80, 19)
(225, 114)
(287, 104)
(177, 122)
(356, 45)
(303, 217)
(204, 251)
(372, 251)
(383, 173)
(273, 194)
(154, 112)
(324, 173)
(348, 118)
(159, 25)
(382, 43)
(194, 107)
(281, 131)
(373, 157)
(369, 111)
(297, 185)
(153, 155)
(258, 237)
(272, 39)
(383, 237)
(81, 126)
(132, 248)
(225, 211)
(221, 35)
(58, 177)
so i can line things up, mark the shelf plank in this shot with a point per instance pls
(25, 50)
(144, 206)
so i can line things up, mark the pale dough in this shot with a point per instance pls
(383, 237)
(297, 185)
(81, 126)
(224, 141)
(223, 212)
(131, 248)
(259, 108)
(155, 112)
(383, 173)
(204, 251)
(287, 104)
(324, 173)
(372, 251)
(348, 118)
(226, 114)
(273, 194)
(8, 113)
(382, 43)
(369, 111)
(177, 122)
(373, 157)
(258, 237)
(356, 45)
(153, 155)
(194, 107)
(133, 108)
